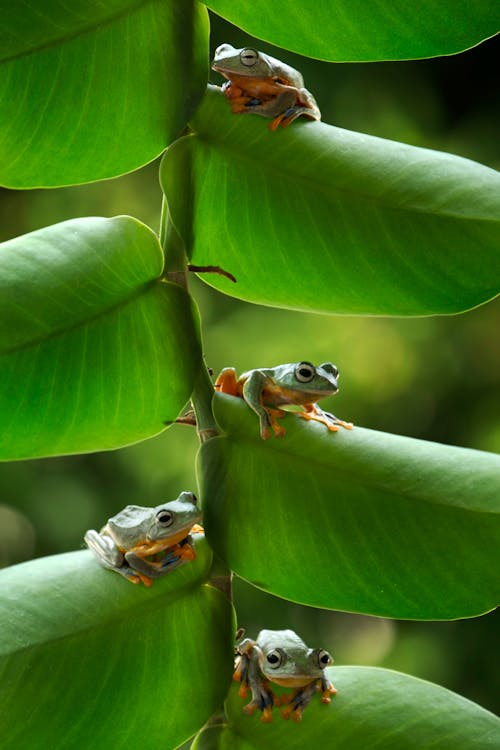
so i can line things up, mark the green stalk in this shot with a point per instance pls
(176, 269)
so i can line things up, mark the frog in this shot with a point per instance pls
(281, 657)
(262, 85)
(265, 389)
(144, 543)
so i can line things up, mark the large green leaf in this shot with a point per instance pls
(373, 708)
(95, 350)
(89, 660)
(355, 520)
(356, 30)
(93, 90)
(319, 218)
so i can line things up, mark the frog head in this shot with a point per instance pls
(169, 521)
(251, 63)
(285, 659)
(242, 62)
(304, 378)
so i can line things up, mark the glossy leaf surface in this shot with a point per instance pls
(128, 666)
(93, 90)
(373, 708)
(352, 30)
(356, 520)
(323, 219)
(95, 350)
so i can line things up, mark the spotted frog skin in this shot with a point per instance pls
(266, 389)
(145, 543)
(262, 85)
(281, 657)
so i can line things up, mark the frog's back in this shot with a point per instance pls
(130, 517)
(286, 72)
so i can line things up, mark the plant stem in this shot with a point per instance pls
(176, 269)
(201, 399)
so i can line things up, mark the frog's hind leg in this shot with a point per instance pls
(287, 117)
(104, 548)
(304, 105)
(109, 555)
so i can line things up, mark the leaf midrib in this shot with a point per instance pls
(103, 312)
(64, 39)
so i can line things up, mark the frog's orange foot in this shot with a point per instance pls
(250, 708)
(136, 577)
(267, 716)
(345, 425)
(314, 413)
(289, 115)
(295, 708)
(274, 415)
(197, 529)
(243, 691)
(327, 691)
(292, 713)
(187, 552)
(231, 91)
(237, 674)
(276, 430)
(274, 124)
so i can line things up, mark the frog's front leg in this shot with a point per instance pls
(252, 393)
(109, 555)
(327, 689)
(248, 673)
(239, 98)
(298, 701)
(315, 413)
(184, 551)
(147, 570)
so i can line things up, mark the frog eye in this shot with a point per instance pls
(165, 518)
(249, 57)
(330, 368)
(305, 372)
(324, 659)
(274, 658)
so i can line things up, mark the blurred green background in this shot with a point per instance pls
(431, 378)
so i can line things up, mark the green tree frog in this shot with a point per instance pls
(280, 656)
(298, 383)
(145, 543)
(261, 85)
